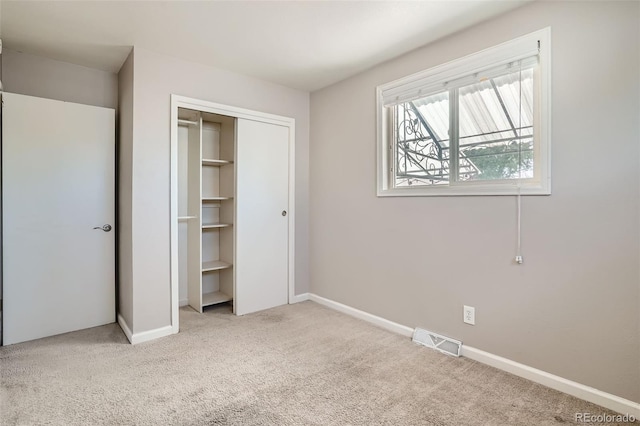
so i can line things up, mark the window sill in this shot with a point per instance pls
(466, 190)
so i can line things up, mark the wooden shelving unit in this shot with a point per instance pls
(208, 186)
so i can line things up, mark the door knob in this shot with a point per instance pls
(105, 228)
(284, 212)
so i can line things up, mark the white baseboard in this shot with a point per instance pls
(125, 327)
(299, 298)
(604, 399)
(587, 393)
(380, 322)
(183, 302)
(145, 336)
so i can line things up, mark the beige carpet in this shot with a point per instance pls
(301, 364)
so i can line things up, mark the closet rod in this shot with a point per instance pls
(187, 122)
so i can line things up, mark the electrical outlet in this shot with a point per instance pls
(469, 315)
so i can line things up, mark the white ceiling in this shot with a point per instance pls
(305, 45)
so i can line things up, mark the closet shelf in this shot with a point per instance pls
(215, 163)
(185, 122)
(207, 199)
(215, 225)
(214, 298)
(215, 265)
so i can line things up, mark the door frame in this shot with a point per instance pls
(178, 101)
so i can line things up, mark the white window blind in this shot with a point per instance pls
(459, 73)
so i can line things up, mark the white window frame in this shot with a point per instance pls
(425, 81)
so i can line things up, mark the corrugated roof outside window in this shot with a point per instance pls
(494, 129)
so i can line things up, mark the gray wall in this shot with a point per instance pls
(32, 75)
(155, 78)
(572, 309)
(125, 190)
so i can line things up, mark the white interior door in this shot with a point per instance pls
(262, 188)
(57, 185)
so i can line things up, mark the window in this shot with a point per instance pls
(475, 126)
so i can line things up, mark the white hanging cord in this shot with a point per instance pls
(0, 62)
(518, 258)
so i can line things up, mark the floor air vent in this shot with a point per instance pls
(436, 341)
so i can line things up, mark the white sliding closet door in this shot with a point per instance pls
(58, 184)
(262, 196)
